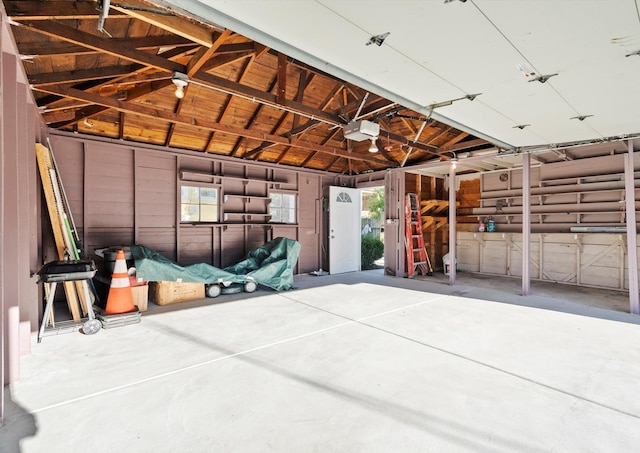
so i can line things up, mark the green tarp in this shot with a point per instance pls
(270, 265)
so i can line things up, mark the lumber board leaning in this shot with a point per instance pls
(44, 166)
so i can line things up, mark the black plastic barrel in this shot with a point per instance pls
(110, 256)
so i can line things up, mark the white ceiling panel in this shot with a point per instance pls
(438, 51)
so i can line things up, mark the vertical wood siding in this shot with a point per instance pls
(19, 209)
(597, 260)
(309, 230)
(122, 194)
(584, 192)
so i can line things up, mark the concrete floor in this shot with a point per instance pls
(350, 363)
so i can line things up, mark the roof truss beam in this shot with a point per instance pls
(51, 10)
(61, 48)
(148, 112)
(59, 31)
(174, 24)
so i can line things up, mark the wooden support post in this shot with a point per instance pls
(632, 250)
(481, 254)
(541, 256)
(579, 249)
(435, 249)
(452, 225)
(621, 250)
(509, 243)
(526, 223)
(394, 246)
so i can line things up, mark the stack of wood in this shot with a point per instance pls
(64, 231)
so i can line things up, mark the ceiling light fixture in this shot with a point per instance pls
(388, 147)
(180, 80)
(373, 148)
(454, 161)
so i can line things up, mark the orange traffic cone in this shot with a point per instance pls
(120, 299)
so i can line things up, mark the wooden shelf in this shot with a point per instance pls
(245, 197)
(245, 215)
(551, 194)
(184, 175)
(575, 200)
(226, 224)
(431, 214)
(589, 179)
(545, 214)
(428, 207)
(433, 221)
(516, 197)
(241, 210)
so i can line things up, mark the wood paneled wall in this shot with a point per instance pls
(20, 128)
(582, 192)
(595, 260)
(122, 194)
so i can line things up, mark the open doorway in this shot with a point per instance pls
(372, 228)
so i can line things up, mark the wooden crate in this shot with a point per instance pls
(165, 293)
(140, 296)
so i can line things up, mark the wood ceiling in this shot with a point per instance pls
(243, 99)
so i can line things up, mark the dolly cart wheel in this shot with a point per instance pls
(213, 290)
(250, 287)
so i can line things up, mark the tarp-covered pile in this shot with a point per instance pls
(270, 265)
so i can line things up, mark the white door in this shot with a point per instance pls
(344, 230)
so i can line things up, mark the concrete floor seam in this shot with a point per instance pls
(460, 356)
(183, 369)
(229, 356)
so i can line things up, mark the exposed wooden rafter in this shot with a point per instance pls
(54, 10)
(263, 105)
(204, 124)
(173, 24)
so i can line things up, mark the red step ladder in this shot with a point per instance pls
(417, 257)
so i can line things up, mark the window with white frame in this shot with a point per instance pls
(199, 204)
(282, 207)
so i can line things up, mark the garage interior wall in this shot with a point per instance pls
(570, 201)
(20, 127)
(126, 193)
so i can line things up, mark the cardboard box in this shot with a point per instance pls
(165, 293)
(140, 296)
